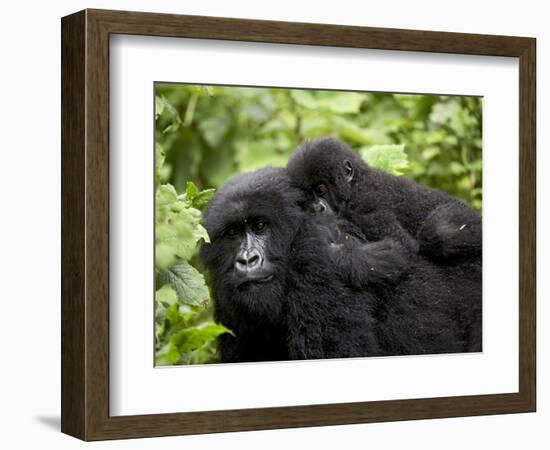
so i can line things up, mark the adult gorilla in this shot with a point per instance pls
(285, 284)
(273, 286)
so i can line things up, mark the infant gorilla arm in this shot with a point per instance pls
(384, 206)
(358, 262)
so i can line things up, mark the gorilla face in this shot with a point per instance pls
(251, 262)
(324, 170)
(251, 222)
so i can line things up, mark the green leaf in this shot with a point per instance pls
(191, 191)
(173, 315)
(202, 199)
(214, 129)
(349, 130)
(456, 168)
(159, 331)
(193, 338)
(255, 155)
(443, 112)
(160, 156)
(188, 283)
(166, 194)
(315, 124)
(165, 255)
(304, 98)
(159, 106)
(177, 225)
(168, 355)
(430, 153)
(340, 102)
(255, 112)
(207, 354)
(335, 102)
(166, 295)
(201, 233)
(165, 112)
(390, 158)
(181, 316)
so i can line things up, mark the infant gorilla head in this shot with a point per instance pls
(324, 170)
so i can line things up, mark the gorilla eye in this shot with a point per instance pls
(321, 189)
(232, 231)
(259, 226)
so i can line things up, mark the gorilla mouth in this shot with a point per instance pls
(264, 279)
(252, 280)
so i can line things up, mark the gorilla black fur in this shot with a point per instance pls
(283, 283)
(386, 206)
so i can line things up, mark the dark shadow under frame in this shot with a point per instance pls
(85, 224)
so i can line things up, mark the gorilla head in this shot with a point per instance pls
(251, 222)
(325, 169)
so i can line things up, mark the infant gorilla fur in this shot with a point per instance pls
(385, 206)
(275, 285)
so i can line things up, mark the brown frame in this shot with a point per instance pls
(85, 224)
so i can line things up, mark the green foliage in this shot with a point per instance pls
(184, 330)
(206, 134)
(387, 157)
(188, 283)
(177, 227)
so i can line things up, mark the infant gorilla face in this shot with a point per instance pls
(324, 170)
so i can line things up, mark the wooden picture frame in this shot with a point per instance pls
(85, 224)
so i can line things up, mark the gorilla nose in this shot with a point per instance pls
(248, 261)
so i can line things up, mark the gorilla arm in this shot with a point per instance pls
(356, 260)
(367, 264)
(451, 230)
(382, 254)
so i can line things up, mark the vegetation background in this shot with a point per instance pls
(207, 134)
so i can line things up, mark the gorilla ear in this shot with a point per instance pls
(348, 170)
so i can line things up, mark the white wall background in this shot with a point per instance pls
(30, 226)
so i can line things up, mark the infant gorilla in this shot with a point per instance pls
(277, 287)
(395, 211)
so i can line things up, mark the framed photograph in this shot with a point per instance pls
(273, 225)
